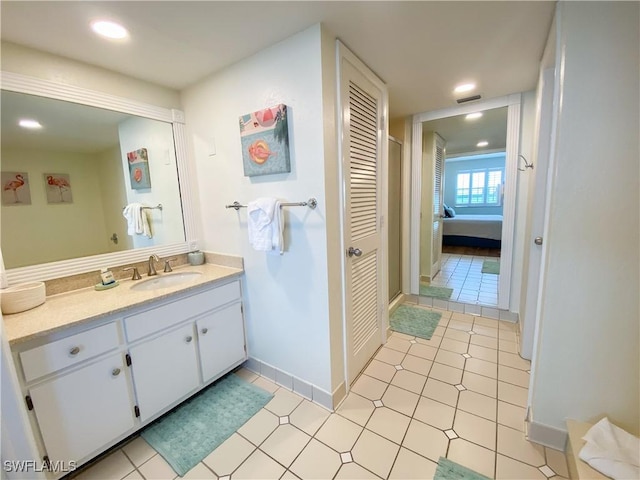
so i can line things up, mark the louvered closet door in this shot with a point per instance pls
(362, 162)
(438, 199)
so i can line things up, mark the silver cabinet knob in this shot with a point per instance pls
(537, 240)
(204, 330)
(115, 372)
(188, 339)
(354, 251)
(74, 351)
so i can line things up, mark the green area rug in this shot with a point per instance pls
(191, 432)
(491, 266)
(414, 321)
(443, 293)
(448, 470)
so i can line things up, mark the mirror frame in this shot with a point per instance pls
(513, 103)
(45, 88)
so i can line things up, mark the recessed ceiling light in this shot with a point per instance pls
(473, 116)
(483, 143)
(29, 123)
(465, 87)
(109, 29)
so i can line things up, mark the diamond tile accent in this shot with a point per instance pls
(399, 367)
(546, 471)
(346, 457)
(378, 403)
(451, 434)
(471, 332)
(460, 387)
(412, 341)
(466, 355)
(226, 477)
(284, 420)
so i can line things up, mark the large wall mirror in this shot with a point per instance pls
(66, 182)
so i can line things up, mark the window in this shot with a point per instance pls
(478, 187)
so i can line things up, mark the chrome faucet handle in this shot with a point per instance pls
(136, 273)
(152, 268)
(167, 267)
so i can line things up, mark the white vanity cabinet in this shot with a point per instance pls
(164, 370)
(221, 340)
(83, 410)
(96, 384)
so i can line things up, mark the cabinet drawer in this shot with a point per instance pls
(151, 321)
(57, 355)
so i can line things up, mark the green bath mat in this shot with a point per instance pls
(443, 293)
(191, 432)
(414, 321)
(491, 266)
(448, 470)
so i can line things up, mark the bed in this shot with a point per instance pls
(473, 231)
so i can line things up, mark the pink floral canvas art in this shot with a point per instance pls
(264, 136)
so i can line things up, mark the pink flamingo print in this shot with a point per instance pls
(59, 182)
(15, 185)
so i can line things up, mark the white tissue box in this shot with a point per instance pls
(24, 296)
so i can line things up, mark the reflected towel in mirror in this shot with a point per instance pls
(265, 226)
(137, 221)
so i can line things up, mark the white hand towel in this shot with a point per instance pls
(277, 231)
(137, 221)
(612, 451)
(264, 225)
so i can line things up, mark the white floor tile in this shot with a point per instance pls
(112, 467)
(353, 471)
(138, 451)
(259, 467)
(411, 381)
(309, 417)
(512, 443)
(316, 461)
(199, 472)
(339, 433)
(380, 370)
(369, 387)
(410, 465)
(417, 364)
(283, 402)
(389, 424)
(285, 443)
(229, 455)
(375, 453)
(356, 408)
(434, 413)
(441, 391)
(478, 404)
(158, 469)
(470, 455)
(400, 400)
(426, 440)
(259, 427)
(475, 429)
(508, 469)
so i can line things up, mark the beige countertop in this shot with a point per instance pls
(79, 306)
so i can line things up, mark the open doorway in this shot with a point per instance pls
(428, 201)
(462, 206)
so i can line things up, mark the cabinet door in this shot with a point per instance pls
(221, 340)
(80, 412)
(165, 369)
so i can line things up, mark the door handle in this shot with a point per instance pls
(537, 240)
(354, 251)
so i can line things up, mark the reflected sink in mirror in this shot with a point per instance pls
(164, 281)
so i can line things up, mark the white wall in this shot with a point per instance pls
(586, 361)
(286, 297)
(166, 225)
(26, 61)
(70, 229)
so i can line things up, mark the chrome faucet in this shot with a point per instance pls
(152, 267)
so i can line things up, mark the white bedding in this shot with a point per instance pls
(480, 226)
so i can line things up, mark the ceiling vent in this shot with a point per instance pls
(469, 99)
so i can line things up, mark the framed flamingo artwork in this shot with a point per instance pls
(15, 188)
(139, 169)
(58, 187)
(264, 136)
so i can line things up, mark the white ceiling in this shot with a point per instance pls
(420, 49)
(462, 136)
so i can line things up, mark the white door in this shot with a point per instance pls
(80, 412)
(220, 341)
(164, 370)
(541, 167)
(363, 142)
(437, 211)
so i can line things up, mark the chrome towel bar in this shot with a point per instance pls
(311, 203)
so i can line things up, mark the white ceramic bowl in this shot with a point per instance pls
(24, 296)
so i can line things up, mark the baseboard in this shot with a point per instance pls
(546, 435)
(468, 308)
(305, 389)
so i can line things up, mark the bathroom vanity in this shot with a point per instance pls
(96, 366)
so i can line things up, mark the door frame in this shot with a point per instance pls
(391, 138)
(344, 54)
(513, 104)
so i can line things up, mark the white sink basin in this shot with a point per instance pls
(166, 280)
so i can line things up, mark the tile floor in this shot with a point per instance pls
(464, 274)
(461, 394)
